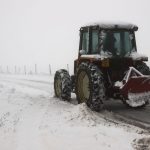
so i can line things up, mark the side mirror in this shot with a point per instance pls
(82, 52)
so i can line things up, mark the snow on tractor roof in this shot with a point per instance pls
(114, 25)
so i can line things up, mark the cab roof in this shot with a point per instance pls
(112, 26)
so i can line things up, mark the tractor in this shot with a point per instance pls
(108, 66)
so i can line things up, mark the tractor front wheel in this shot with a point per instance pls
(62, 84)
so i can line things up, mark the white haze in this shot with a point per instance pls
(46, 32)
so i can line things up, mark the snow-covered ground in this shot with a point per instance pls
(32, 119)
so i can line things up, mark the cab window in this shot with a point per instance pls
(85, 41)
(94, 46)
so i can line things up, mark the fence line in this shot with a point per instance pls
(27, 70)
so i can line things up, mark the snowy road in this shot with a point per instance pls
(139, 117)
(32, 119)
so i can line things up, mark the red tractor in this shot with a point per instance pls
(108, 65)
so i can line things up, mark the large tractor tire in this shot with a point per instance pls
(143, 68)
(62, 84)
(89, 86)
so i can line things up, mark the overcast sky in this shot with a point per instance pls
(47, 31)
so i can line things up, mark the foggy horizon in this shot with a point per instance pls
(47, 32)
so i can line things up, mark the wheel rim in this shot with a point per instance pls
(83, 86)
(58, 87)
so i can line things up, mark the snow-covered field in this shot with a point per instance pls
(32, 119)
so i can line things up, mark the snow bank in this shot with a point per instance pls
(83, 115)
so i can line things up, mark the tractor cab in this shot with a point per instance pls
(113, 40)
(112, 47)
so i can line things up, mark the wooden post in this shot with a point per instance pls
(68, 67)
(25, 71)
(15, 70)
(19, 70)
(7, 69)
(50, 71)
(1, 69)
(35, 69)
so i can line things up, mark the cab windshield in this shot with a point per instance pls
(118, 43)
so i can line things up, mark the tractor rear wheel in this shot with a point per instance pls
(89, 86)
(143, 68)
(62, 84)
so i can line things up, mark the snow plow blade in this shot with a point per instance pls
(136, 88)
(136, 85)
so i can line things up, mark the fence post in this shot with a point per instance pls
(1, 71)
(68, 67)
(7, 69)
(35, 68)
(50, 71)
(15, 70)
(25, 71)
(19, 70)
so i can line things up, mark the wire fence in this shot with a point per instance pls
(31, 70)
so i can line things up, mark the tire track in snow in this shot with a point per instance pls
(45, 86)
